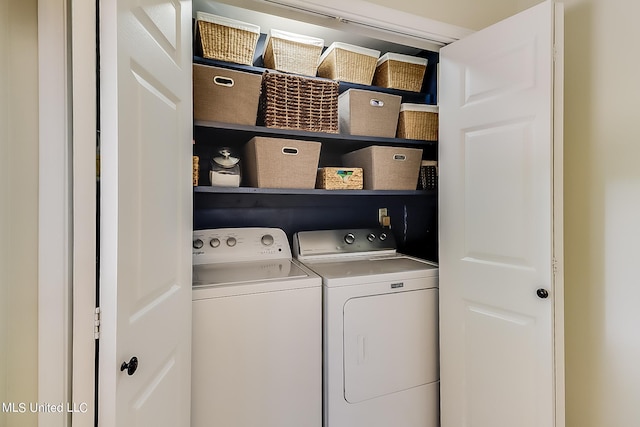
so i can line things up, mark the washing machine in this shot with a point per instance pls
(257, 332)
(380, 314)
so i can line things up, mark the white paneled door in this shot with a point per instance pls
(145, 214)
(496, 205)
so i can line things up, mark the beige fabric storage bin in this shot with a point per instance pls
(368, 113)
(348, 63)
(339, 178)
(281, 163)
(387, 168)
(418, 121)
(403, 72)
(223, 95)
(292, 53)
(290, 101)
(226, 39)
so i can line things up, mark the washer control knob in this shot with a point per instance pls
(214, 243)
(371, 237)
(267, 240)
(349, 238)
(198, 244)
(231, 241)
(383, 236)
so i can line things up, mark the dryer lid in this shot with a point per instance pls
(362, 269)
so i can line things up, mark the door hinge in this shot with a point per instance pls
(554, 265)
(96, 323)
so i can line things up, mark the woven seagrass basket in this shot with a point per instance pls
(225, 39)
(292, 53)
(418, 121)
(348, 63)
(290, 101)
(196, 170)
(332, 178)
(400, 72)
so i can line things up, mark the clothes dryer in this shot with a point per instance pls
(380, 311)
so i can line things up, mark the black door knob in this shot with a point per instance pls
(542, 293)
(131, 366)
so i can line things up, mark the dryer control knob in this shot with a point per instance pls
(231, 241)
(371, 237)
(349, 238)
(267, 240)
(214, 243)
(198, 244)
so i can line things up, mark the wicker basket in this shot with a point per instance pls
(418, 121)
(289, 101)
(226, 39)
(331, 178)
(292, 53)
(400, 72)
(348, 63)
(196, 170)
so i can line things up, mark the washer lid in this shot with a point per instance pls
(246, 272)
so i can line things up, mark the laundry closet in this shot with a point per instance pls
(493, 222)
(411, 213)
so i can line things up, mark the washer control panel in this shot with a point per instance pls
(239, 244)
(337, 242)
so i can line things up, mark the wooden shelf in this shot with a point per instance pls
(310, 192)
(356, 140)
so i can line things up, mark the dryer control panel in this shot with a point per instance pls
(341, 242)
(239, 244)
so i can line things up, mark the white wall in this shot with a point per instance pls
(4, 221)
(18, 207)
(602, 205)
